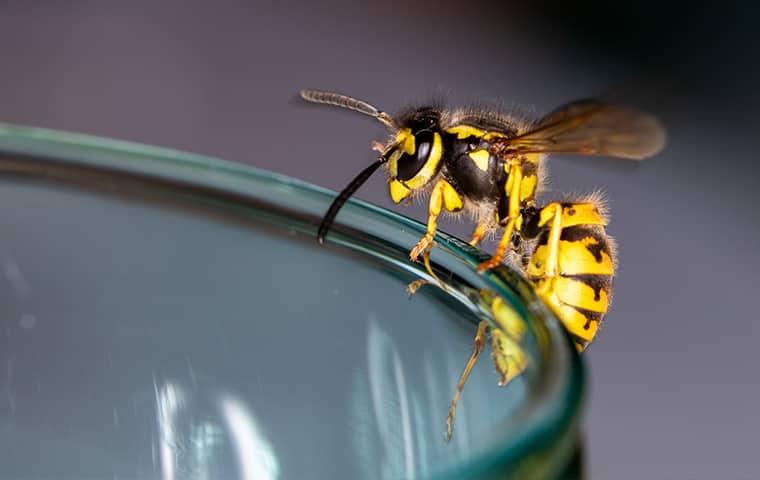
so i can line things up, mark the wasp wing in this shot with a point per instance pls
(591, 127)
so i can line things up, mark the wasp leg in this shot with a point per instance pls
(426, 243)
(412, 288)
(417, 284)
(443, 195)
(501, 249)
(423, 245)
(512, 190)
(477, 235)
(509, 358)
(551, 215)
(434, 209)
(480, 341)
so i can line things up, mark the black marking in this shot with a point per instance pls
(531, 215)
(590, 315)
(596, 251)
(596, 282)
(578, 233)
(543, 238)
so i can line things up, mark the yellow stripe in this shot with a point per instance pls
(572, 319)
(405, 140)
(480, 157)
(575, 322)
(573, 258)
(393, 162)
(581, 214)
(576, 293)
(451, 199)
(464, 131)
(398, 191)
(576, 259)
(403, 143)
(430, 168)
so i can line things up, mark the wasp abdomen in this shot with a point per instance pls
(581, 290)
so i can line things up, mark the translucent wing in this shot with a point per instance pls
(590, 127)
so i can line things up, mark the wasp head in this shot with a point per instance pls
(414, 155)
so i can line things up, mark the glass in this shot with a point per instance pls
(166, 315)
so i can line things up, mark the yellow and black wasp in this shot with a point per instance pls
(490, 166)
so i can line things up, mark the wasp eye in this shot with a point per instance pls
(410, 165)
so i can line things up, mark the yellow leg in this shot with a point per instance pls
(555, 230)
(551, 215)
(434, 209)
(478, 234)
(415, 285)
(509, 358)
(512, 189)
(501, 249)
(480, 341)
(438, 199)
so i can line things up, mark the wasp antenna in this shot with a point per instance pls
(343, 197)
(350, 103)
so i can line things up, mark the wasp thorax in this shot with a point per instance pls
(415, 157)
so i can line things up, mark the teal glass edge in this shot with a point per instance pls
(547, 438)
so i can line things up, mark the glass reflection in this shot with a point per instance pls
(397, 420)
(200, 436)
(381, 404)
(255, 455)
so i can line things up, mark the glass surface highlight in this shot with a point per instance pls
(166, 315)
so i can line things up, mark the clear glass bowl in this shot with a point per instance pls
(166, 315)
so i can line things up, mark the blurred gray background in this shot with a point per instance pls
(674, 385)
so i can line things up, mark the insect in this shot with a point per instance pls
(490, 166)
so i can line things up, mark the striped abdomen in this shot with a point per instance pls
(580, 294)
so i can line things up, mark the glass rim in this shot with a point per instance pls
(546, 424)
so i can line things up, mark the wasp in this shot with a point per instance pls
(490, 166)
